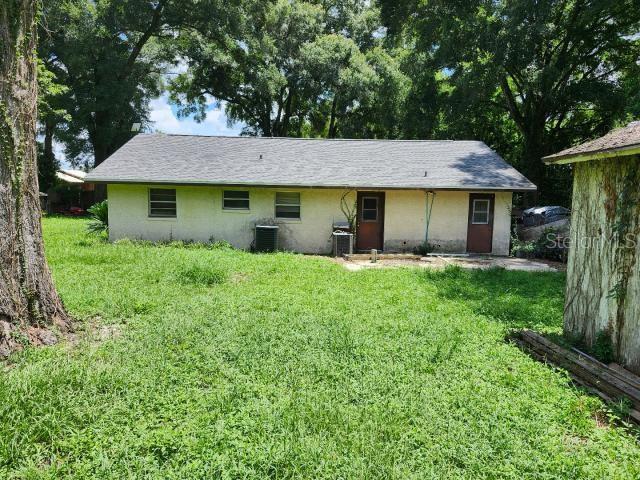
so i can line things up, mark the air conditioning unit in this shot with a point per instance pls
(342, 244)
(266, 238)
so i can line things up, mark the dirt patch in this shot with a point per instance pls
(14, 338)
(94, 331)
(238, 277)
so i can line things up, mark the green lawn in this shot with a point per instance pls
(224, 364)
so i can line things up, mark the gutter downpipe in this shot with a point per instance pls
(430, 196)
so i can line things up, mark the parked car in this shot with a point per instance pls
(536, 216)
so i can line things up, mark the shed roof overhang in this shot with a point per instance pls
(595, 155)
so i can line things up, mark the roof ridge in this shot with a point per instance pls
(308, 138)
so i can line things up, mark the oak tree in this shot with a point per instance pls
(29, 303)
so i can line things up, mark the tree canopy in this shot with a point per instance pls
(551, 70)
(527, 78)
(300, 69)
(108, 55)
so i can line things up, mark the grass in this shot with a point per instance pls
(233, 365)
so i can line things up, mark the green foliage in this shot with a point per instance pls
(99, 217)
(284, 370)
(219, 245)
(602, 347)
(107, 54)
(527, 79)
(549, 245)
(298, 69)
(48, 165)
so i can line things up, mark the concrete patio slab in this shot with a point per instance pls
(472, 262)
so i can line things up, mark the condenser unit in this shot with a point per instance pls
(342, 244)
(266, 238)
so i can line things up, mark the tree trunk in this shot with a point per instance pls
(28, 299)
(332, 121)
(287, 113)
(602, 308)
(533, 167)
(47, 164)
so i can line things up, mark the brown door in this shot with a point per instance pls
(370, 233)
(480, 231)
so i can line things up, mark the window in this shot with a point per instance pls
(287, 205)
(235, 200)
(480, 212)
(369, 209)
(162, 202)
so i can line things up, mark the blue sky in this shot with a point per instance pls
(165, 119)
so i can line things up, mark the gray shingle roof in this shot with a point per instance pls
(288, 162)
(617, 140)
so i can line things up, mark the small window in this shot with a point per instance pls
(480, 212)
(369, 209)
(235, 200)
(162, 202)
(287, 205)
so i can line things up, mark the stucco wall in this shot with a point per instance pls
(404, 220)
(200, 217)
(450, 219)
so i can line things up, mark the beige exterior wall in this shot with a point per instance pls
(200, 217)
(450, 219)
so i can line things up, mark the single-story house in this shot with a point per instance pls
(70, 191)
(602, 306)
(454, 194)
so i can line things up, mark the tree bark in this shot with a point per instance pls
(332, 120)
(29, 303)
(602, 307)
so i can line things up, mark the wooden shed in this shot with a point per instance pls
(602, 307)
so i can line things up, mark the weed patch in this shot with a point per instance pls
(200, 275)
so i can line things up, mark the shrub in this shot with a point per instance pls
(424, 248)
(523, 249)
(219, 244)
(99, 217)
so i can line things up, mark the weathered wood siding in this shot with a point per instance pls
(603, 281)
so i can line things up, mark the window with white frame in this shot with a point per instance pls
(162, 202)
(235, 199)
(480, 214)
(288, 205)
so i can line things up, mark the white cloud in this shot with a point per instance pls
(166, 121)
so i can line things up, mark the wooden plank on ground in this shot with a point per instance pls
(596, 374)
(610, 383)
(630, 376)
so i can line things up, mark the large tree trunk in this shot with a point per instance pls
(602, 307)
(28, 299)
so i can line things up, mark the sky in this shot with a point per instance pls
(165, 119)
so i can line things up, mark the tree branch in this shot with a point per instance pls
(135, 53)
(512, 106)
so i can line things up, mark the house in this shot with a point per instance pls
(602, 307)
(70, 191)
(455, 194)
